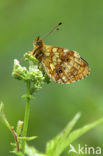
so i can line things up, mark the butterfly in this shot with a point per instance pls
(60, 64)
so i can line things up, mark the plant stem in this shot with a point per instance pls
(3, 116)
(26, 117)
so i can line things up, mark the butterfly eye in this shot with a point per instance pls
(38, 42)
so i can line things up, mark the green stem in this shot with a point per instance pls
(26, 117)
(2, 115)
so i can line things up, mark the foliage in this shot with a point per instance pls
(34, 76)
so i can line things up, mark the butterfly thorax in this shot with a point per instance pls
(38, 48)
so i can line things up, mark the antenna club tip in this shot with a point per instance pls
(60, 23)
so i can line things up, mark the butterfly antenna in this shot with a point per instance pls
(55, 28)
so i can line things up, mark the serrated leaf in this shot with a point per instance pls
(77, 133)
(57, 141)
(17, 153)
(66, 140)
(31, 151)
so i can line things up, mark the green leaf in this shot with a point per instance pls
(77, 133)
(64, 139)
(17, 153)
(31, 151)
(27, 138)
(3, 117)
(59, 139)
(1, 107)
(13, 144)
(26, 96)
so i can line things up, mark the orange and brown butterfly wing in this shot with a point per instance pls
(64, 66)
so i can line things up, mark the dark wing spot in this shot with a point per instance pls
(60, 71)
(67, 59)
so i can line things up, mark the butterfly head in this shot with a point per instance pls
(38, 42)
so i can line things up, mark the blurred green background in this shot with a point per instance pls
(21, 21)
